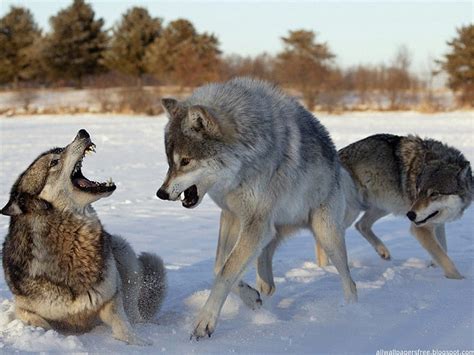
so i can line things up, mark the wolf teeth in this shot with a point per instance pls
(182, 196)
(109, 182)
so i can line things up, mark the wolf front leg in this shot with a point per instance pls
(255, 232)
(427, 237)
(228, 234)
(113, 314)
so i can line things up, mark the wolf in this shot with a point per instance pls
(64, 270)
(270, 166)
(424, 179)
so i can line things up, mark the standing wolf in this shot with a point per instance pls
(64, 270)
(270, 166)
(425, 179)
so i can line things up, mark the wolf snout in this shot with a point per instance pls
(82, 134)
(411, 215)
(162, 194)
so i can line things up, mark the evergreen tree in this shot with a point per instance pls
(19, 39)
(76, 44)
(305, 64)
(131, 38)
(183, 56)
(459, 64)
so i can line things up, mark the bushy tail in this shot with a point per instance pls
(153, 289)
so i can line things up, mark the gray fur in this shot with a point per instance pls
(408, 175)
(272, 169)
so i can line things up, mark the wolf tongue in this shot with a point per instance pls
(84, 182)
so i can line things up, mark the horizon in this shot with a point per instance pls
(356, 32)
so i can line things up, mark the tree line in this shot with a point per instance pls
(140, 49)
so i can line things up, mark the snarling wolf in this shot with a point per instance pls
(270, 166)
(64, 270)
(424, 179)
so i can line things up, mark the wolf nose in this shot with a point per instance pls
(83, 134)
(411, 215)
(162, 194)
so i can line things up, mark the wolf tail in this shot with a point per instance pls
(153, 288)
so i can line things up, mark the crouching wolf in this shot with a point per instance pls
(425, 179)
(270, 166)
(64, 270)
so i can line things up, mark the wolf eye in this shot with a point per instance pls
(53, 162)
(434, 193)
(184, 161)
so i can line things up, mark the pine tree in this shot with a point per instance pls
(76, 44)
(131, 38)
(304, 63)
(459, 64)
(183, 56)
(19, 39)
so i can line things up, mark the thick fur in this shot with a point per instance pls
(64, 270)
(423, 178)
(272, 169)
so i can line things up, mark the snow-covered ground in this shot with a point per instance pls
(403, 304)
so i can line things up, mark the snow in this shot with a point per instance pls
(403, 303)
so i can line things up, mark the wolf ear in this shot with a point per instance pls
(201, 121)
(465, 171)
(24, 203)
(170, 106)
(12, 208)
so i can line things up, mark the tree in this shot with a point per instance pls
(459, 64)
(131, 37)
(305, 64)
(398, 79)
(183, 56)
(19, 34)
(76, 44)
(260, 66)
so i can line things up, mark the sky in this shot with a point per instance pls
(356, 31)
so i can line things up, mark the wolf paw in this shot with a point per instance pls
(132, 339)
(383, 252)
(265, 288)
(250, 296)
(454, 275)
(205, 326)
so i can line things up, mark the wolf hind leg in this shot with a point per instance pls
(228, 234)
(426, 236)
(364, 226)
(31, 318)
(327, 226)
(265, 282)
(353, 208)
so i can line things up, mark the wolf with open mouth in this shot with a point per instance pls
(64, 270)
(270, 166)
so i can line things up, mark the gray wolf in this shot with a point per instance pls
(270, 166)
(64, 270)
(424, 179)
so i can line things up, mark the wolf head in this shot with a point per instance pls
(444, 191)
(195, 141)
(55, 180)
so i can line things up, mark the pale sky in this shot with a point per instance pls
(356, 31)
